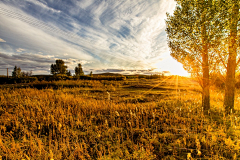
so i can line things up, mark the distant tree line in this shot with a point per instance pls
(60, 68)
(17, 73)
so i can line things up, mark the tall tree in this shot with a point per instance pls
(232, 11)
(191, 38)
(79, 70)
(204, 53)
(59, 67)
(16, 72)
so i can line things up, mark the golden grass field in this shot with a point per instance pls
(131, 119)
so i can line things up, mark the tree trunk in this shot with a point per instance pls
(205, 93)
(231, 65)
(205, 67)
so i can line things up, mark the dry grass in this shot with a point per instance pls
(80, 122)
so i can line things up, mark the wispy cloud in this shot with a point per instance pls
(20, 50)
(1, 40)
(105, 34)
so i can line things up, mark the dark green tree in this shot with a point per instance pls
(26, 74)
(59, 67)
(16, 72)
(69, 73)
(79, 70)
(91, 74)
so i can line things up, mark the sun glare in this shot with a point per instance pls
(171, 65)
(179, 71)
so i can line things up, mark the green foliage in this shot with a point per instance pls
(194, 36)
(79, 70)
(69, 73)
(16, 72)
(192, 26)
(59, 67)
(203, 35)
(233, 16)
(26, 74)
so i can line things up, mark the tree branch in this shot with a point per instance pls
(221, 59)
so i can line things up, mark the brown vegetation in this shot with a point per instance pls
(137, 123)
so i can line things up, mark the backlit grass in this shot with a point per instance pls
(140, 122)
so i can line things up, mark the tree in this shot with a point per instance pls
(16, 72)
(232, 14)
(91, 74)
(227, 54)
(69, 73)
(53, 69)
(192, 39)
(59, 67)
(26, 74)
(79, 70)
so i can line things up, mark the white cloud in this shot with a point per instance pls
(84, 3)
(20, 50)
(43, 5)
(33, 38)
(105, 34)
(1, 40)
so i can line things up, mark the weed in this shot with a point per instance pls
(79, 122)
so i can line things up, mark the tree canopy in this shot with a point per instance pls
(232, 25)
(16, 72)
(59, 67)
(79, 70)
(191, 38)
(203, 36)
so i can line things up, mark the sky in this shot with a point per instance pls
(120, 36)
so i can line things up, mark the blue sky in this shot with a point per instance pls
(103, 35)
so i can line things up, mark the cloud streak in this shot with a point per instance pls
(1, 40)
(106, 34)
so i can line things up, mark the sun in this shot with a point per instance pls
(179, 71)
(171, 65)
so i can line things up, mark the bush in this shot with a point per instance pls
(12, 80)
(109, 78)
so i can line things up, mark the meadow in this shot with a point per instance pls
(131, 119)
